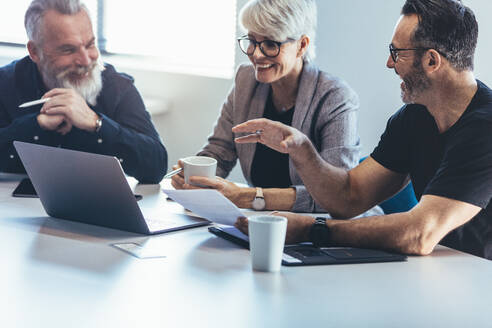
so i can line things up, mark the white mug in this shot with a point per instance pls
(266, 241)
(202, 166)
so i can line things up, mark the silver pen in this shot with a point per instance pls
(256, 133)
(173, 173)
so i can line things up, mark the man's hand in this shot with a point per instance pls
(56, 123)
(298, 226)
(278, 136)
(72, 106)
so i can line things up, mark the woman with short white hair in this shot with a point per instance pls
(282, 84)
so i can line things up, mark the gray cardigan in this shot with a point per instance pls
(325, 110)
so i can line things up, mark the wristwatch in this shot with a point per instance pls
(319, 234)
(259, 201)
(99, 123)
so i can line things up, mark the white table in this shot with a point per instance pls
(57, 273)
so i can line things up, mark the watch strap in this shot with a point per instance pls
(320, 233)
(259, 193)
(259, 200)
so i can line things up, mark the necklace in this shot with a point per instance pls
(285, 106)
(284, 109)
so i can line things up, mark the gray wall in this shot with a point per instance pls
(353, 38)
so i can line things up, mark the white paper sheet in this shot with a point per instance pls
(207, 203)
(139, 251)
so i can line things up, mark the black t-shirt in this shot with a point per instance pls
(456, 164)
(270, 169)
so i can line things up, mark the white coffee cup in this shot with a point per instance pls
(266, 241)
(202, 166)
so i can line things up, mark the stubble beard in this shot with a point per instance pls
(415, 84)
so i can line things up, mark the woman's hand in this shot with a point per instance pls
(177, 180)
(298, 226)
(225, 187)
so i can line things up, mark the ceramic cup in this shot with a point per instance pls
(199, 166)
(266, 241)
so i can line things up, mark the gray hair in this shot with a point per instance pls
(33, 19)
(281, 19)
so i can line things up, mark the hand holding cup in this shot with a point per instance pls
(202, 166)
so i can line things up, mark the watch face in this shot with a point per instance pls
(258, 204)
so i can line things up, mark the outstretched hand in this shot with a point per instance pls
(278, 136)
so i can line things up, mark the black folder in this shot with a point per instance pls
(307, 254)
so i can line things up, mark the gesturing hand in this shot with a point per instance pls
(72, 106)
(278, 136)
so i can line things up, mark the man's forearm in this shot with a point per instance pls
(142, 155)
(328, 184)
(399, 232)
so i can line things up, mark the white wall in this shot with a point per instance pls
(353, 38)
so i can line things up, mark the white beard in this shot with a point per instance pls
(89, 87)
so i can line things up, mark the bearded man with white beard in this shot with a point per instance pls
(91, 107)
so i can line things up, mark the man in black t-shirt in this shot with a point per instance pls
(441, 140)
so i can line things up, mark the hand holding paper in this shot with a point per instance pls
(209, 204)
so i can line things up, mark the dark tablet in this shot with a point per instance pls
(307, 254)
(25, 189)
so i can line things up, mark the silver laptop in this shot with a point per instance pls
(93, 189)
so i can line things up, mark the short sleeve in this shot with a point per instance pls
(465, 173)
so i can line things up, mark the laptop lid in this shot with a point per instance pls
(90, 188)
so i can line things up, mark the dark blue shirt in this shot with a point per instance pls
(455, 164)
(126, 133)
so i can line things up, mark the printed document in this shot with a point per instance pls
(207, 203)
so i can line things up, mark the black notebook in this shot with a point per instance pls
(307, 254)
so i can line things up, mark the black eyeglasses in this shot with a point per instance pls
(269, 48)
(394, 51)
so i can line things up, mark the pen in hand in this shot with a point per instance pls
(256, 133)
(173, 173)
(35, 102)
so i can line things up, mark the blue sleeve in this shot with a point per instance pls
(24, 128)
(130, 136)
